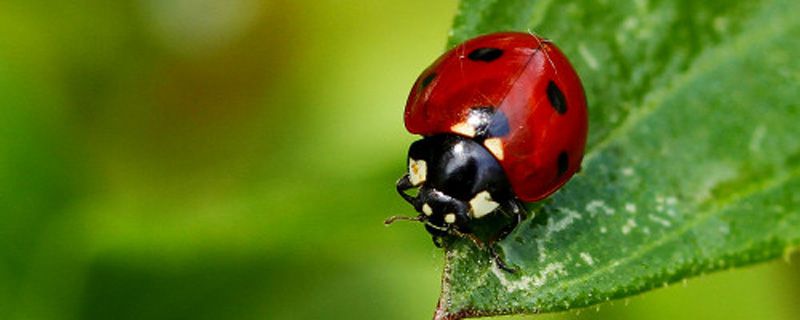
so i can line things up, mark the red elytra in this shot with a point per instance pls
(532, 83)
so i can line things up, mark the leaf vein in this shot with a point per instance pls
(699, 218)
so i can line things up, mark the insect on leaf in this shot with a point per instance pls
(692, 163)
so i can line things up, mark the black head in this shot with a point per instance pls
(458, 179)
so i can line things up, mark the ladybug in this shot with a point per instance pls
(503, 121)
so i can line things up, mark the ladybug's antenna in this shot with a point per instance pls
(392, 219)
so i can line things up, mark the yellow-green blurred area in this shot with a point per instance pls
(199, 159)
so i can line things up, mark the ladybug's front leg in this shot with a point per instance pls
(403, 184)
(499, 260)
(519, 214)
(488, 246)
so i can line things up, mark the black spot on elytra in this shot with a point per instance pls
(488, 122)
(563, 162)
(485, 54)
(427, 80)
(556, 98)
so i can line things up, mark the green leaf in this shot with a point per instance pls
(693, 161)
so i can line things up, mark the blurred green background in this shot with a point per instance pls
(200, 159)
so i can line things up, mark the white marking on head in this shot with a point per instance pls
(482, 204)
(495, 146)
(464, 129)
(418, 171)
(426, 209)
(450, 218)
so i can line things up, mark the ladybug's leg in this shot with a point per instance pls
(499, 260)
(404, 184)
(519, 214)
(475, 240)
(517, 207)
(483, 246)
